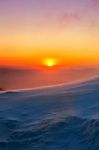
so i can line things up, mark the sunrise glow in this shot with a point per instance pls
(49, 62)
(65, 30)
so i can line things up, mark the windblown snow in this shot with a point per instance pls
(62, 117)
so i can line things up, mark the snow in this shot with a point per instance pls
(62, 117)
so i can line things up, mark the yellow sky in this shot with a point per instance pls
(62, 31)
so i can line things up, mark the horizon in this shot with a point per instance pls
(66, 31)
(23, 78)
(49, 74)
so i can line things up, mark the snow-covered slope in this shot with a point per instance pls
(62, 117)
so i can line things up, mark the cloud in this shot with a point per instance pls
(95, 3)
(82, 18)
(67, 19)
(70, 17)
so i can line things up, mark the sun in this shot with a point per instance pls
(49, 62)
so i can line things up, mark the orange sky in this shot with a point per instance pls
(65, 31)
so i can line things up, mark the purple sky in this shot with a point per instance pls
(44, 25)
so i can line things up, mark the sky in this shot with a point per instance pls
(33, 30)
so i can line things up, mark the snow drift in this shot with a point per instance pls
(62, 117)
